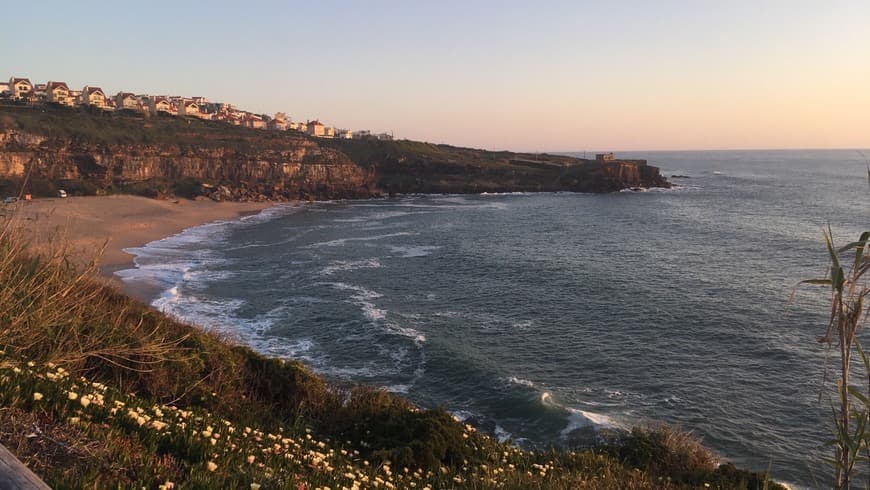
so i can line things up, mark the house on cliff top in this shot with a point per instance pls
(315, 128)
(127, 100)
(59, 93)
(159, 104)
(187, 107)
(20, 87)
(93, 96)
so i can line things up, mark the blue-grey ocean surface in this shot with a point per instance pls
(538, 314)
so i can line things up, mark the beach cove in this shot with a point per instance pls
(103, 226)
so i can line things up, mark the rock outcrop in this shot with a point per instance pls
(303, 170)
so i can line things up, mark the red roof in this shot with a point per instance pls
(92, 90)
(54, 85)
(16, 80)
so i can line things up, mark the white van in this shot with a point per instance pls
(61, 193)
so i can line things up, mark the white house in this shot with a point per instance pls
(160, 104)
(187, 107)
(58, 92)
(126, 100)
(315, 128)
(93, 96)
(20, 87)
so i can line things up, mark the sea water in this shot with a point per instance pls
(538, 316)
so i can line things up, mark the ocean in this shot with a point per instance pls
(540, 316)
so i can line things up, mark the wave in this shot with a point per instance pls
(349, 265)
(412, 251)
(364, 298)
(343, 241)
(520, 382)
(496, 194)
(578, 419)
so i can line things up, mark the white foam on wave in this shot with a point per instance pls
(349, 265)
(374, 217)
(501, 434)
(411, 251)
(408, 332)
(462, 415)
(496, 194)
(178, 259)
(364, 298)
(340, 242)
(398, 388)
(272, 213)
(578, 419)
(520, 381)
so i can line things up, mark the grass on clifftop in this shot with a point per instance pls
(98, 390)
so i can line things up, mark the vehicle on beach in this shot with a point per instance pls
(62, 193)
(10, 200)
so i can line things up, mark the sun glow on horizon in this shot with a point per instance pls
(501, 75)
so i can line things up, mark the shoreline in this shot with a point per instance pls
(101, 227)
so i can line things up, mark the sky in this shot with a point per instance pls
(498, 74)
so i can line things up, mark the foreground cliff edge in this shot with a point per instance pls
(90, 152)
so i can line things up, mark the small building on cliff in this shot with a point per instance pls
(58, 92)
(279, 122)
(315, 128)
(605, 157)
(20, 87)
(127, 100)
(187, 107)
(93, 96)
(158, 104)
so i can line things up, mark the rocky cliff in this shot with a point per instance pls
(415, 167)
(89, 152)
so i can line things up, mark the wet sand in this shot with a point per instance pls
(102, 227)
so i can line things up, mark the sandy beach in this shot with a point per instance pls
(113, 223)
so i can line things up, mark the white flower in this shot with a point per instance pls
(255, 486)
(211, 466)
(85, 401)
(37, 396)
(250, 459)
(72, 395)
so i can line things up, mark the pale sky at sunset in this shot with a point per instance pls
(519, 75)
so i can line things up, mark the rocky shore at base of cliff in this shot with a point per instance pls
(87, 153)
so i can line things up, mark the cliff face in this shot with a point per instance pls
(413, 167)
(89, 152)
(302, 170)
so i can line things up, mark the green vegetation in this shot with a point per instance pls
(100, 391)
(90, 126)
(851, 407)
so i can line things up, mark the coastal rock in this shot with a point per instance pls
(159, 157)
